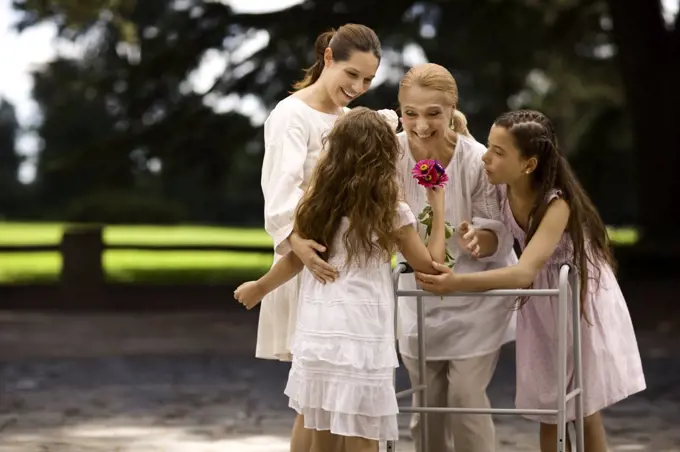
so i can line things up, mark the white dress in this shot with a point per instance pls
(293, 135)
(343, 349)
(461, 327)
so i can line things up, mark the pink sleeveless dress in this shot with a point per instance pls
(612, 369)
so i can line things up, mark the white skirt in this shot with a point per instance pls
(344, 358)
(278, 318)
(347, 404)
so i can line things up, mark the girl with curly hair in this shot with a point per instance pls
(341, 380)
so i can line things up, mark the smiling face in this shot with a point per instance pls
(503, 160)
(425, 113)
(349, 79)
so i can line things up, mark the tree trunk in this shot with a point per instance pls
(649, 57)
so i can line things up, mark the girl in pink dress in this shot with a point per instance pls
(555, 222)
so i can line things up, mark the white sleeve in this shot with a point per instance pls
(486, 214)
(404, 215)
(285, 140)
(391, 117)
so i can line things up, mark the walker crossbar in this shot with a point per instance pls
(490, 293)
(448, 410)
(567, 278)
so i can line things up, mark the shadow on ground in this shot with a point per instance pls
(188, 382)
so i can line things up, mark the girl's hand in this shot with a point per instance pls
(435, 198)
(468, 239)
(306, 250)
(445, 282)
(249, 294)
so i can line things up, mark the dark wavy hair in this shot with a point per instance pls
(343, 42)
(356, 178)
(535, 136)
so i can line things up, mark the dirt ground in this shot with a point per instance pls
(144, 382)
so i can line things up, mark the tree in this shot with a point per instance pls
(74, 16)
(493, 49)
(648, 54)
(123, 122)
(10, 187)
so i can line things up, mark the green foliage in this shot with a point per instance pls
(12, 193)
(75, 16)
(158, 267)
(126, 105)
(178, 267)
(122, 208)
(21, 233)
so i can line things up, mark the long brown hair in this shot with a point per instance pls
(535, 136)
(437, 77)
(344, 41)
(357, 179)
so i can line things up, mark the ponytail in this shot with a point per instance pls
(313, 72)
(459, 123)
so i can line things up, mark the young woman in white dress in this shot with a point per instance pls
(463, 335)
(347, 60)
(341, 380)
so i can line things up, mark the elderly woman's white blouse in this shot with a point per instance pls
(293, 135)
(457, 328)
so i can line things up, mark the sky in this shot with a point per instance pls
(21, 53)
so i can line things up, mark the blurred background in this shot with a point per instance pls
(130, 203)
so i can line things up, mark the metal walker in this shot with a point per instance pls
(566, 276)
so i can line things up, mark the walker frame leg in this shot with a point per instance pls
(568, 293)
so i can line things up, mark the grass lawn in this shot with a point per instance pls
(50, 233)
(140, 266)
(157, 266)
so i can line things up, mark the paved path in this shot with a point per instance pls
(188, 383)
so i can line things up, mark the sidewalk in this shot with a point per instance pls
(188, 383)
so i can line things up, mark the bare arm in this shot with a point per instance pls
(410, 244)
(436, 245)
(283, 271)
(251, 293)
(520, 275)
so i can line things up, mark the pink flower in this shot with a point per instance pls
(429, 173)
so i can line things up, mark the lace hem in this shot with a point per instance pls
(383, 428)
(336, 393)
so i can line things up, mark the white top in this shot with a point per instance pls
(461, 327)
(343, 351)
(293, 135)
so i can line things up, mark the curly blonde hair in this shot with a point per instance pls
(357, 179)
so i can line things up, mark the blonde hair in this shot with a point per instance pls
(434, 76)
